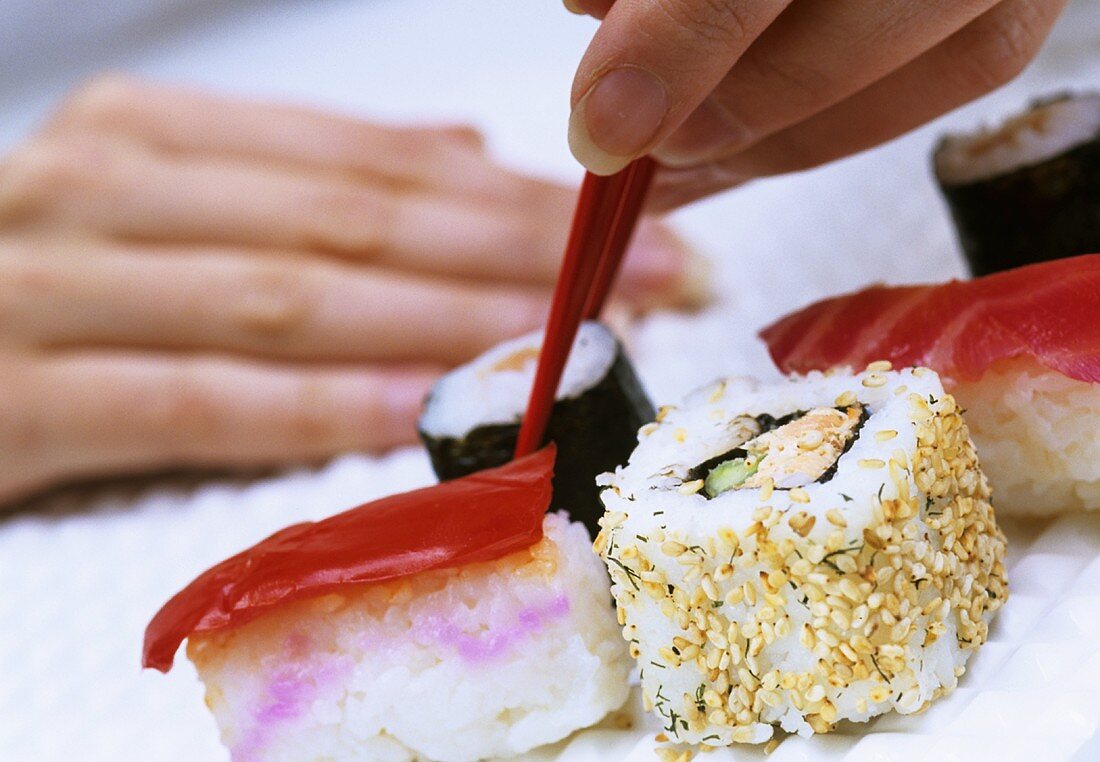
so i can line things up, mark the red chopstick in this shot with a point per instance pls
(606, 215)
(639, 174)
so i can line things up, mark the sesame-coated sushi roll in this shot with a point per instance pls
(472, 416)
(798, 554)
(1029, 190)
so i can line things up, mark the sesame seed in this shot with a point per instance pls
(648, 429)
(612, 520)
(815, 694)
(845, 399)
(811, 440)
(680, 435)
(836, 518)
(880, 366)
(750, 592)
(874, 380)
(885, 435)
(799, 495)
(690, 488)
(871, 463)
(719, 390)
(767, 486)
(673, 548)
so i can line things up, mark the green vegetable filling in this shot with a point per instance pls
(729, 474)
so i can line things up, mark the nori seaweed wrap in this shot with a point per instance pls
(471, 418)
(1028, 191)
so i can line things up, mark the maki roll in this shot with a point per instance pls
(1028, 191)
(452, 623)
(473, 414)
(794, 555)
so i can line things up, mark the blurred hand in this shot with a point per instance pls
(722, 91)
(196, 281)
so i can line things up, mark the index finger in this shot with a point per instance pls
(651, 63)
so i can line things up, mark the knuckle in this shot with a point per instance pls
(351, 220)
(27, 281)
(311, 422)
(180, 415)
(794, 78)
(1004, 47)
(718, 23)
(43, 173)
(102, 101)
(273, 302)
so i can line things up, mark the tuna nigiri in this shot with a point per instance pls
(456, 622)
(1020, 350)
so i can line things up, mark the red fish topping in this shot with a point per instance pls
(1049, 312)
(481, 517)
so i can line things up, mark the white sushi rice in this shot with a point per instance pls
(493, 388)
(1036, 432)
(843, 599)
(488, 660)
(1039, 134)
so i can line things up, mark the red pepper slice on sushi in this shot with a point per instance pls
(1049, 312)
(481, 517)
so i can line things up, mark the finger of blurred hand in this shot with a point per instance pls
(983, 55)
(100, 413)
(286, 306)
(116, 190)
(650, 64)
(181, 120)
(810, 58)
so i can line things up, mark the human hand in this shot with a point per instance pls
(191, 281)
(723, 91)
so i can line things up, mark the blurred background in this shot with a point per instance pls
(84, 571)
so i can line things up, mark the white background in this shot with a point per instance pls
(81, 574)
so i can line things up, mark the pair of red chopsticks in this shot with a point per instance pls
(607, 213)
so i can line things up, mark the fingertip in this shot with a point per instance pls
(617, 119)
(402, 395)
(590, 156)
(664, 269)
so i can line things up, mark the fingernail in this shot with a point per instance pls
(573, 7)
(617, 119)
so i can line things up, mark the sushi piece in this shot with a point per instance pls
(452, 623)
(1029, 190)
(1019, 350)
(793, 555)
(472, 416)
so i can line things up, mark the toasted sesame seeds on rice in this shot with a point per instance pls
(856, 592)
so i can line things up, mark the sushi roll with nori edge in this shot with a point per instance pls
(473, 414)
(1029, 190)
(793, 555)
(453, 623)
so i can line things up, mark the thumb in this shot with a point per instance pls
(651, 63)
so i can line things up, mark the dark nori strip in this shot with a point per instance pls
(1036, 213)
(595, 432)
